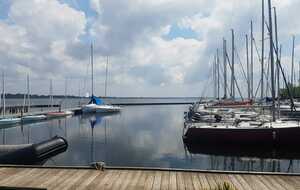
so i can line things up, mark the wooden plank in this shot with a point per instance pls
(27, 178)
(30, 180)
(173, 182)
(292, 181)
(180, 182)
(113, 180)
(275, 183)
(74, 180)
(104, 181)
(93, 184)
(157, 180)
(17, 177)
(40, 179)
(127, 180)
(119, 181)
(196, 181)
(141, 181)
(203, 181)
(187, 178)
(149, 180)
(283, 183)
(165, 180)
(235, 181)
(211, 181)
(53, 177)
(254, 182)
(67, 174)
(243, 182)
(133, 183)
(88, 180)
(265, 181)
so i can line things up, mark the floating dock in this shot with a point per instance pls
(139, 178)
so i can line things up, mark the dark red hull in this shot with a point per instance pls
(254, 136)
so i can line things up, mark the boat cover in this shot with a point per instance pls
(95, 100)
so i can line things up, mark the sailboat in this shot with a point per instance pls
(59, 113)
(5, 120)
(31, 118)
(96, 104)
(273, 133)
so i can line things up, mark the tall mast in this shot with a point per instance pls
(262, 49)
(28, 94)
(92, 64)
(292, 72)
(272, 60)
(3, 94)
(251, 61)
(218, 74)
(277, 63)
(225, 68)
(215, 77)
(106, 71)
(232, 63)
(248, 75)
(51, 93)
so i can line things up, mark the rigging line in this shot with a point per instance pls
(234, 78)
(207, 82)
(243, 71)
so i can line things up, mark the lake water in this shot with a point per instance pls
(139, 136)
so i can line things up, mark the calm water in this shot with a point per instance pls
(147, 136)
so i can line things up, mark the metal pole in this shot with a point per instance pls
(272, 60)
(248, 75)
(92, 63)
(225, 68)
(218, 74)
(262, 50)
(277, 63)
(292, 72)
(232, 63)
(251, 63)
(106, 71)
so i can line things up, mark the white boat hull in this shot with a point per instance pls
(94, 108)
(33, 118)
(9, 121)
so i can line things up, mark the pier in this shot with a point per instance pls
(139, 178)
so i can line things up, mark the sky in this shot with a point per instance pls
(154, 48)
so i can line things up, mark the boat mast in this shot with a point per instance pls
(232, 67)
(251, 60)
(28, 94)
(292, 72)
(51, 94)
(218, 74)
(262, 50)
(277, 63)
(92, 65)
(3, 94)
(248, 75)
(272, 60)
(106, 72)
(214, 77)
(225, 68)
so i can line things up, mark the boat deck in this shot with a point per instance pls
(128, 178)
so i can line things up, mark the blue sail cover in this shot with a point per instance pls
(95, 100)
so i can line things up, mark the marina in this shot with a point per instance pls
(188, 96)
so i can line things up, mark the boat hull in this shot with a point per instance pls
(244, 136)
(10, 121)
(93, 108)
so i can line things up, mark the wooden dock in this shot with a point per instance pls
(128, 178)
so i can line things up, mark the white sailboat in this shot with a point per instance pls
(96, 104)
(31, 118)
(4, 120)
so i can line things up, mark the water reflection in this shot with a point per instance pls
(143, 136)
(245, 158)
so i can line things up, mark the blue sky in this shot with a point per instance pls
(155, 48)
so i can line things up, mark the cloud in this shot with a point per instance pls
(147, 41)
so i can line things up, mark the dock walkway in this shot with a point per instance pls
(127, 178)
